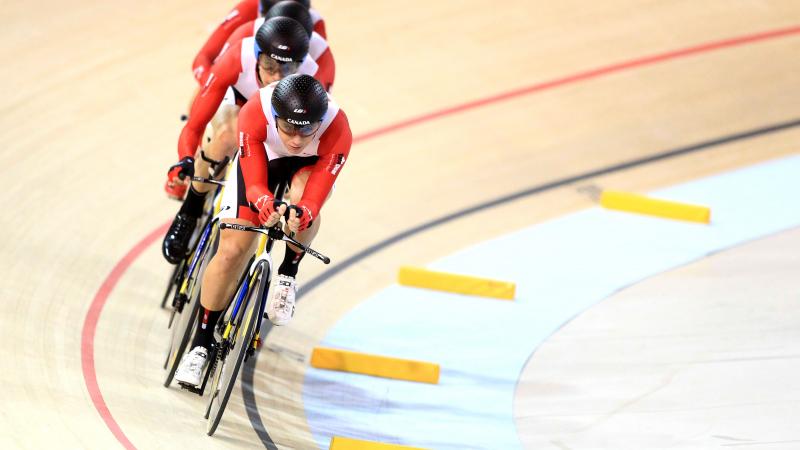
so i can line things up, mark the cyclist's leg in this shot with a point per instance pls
(226, 266)
(220, 148)
(235, 248)
(219, 279)
(218, 285)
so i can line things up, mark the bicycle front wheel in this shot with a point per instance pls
(239, 338)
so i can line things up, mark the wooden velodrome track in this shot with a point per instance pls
(90, 105)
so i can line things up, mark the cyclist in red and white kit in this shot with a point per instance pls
(245, 11)
(279, 48)
(292, 130)
(318, 47)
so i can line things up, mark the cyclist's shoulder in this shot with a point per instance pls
(337, 133)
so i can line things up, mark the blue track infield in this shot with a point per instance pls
(561, 267)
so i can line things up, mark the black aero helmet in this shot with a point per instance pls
(300, 100)
(265, 5)
(282, 39)
(292, 10)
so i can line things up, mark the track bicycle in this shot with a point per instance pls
(179, 271)
(240, 325)
(185, 284)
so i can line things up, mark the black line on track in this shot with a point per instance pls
(249, 396)
(249, 368)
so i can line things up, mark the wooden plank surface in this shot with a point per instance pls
(90, 107)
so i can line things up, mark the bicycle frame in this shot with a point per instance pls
(264, 253)
(215, 210)
(262, 256)
(242, 331)
(188, 290)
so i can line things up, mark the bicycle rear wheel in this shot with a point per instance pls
(187, 321)
(174, 281)
(234, 347)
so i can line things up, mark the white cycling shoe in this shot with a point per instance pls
(280, 307)
(191, 367)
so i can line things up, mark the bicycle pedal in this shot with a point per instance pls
(191, 388)
(179, 301)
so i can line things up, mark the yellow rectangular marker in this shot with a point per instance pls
(459, 284)
(625, 201)
(375, 365)
(340, 443)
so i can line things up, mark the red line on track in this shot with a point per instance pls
(90, 326)
(101, 297)
(581, 76)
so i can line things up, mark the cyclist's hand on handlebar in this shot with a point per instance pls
(270, 210)
(300, 217)
(177, 183)
(184, 168)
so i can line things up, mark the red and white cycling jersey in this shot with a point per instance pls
(236, 69)
(318, 49)
(245, 11)
(260, 143)
(319, 23)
